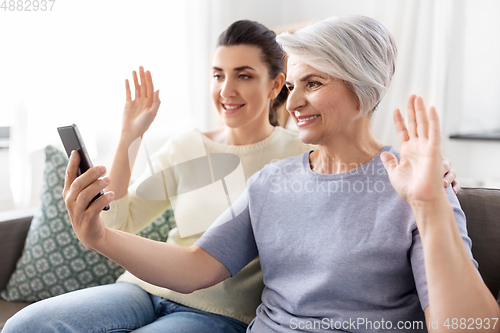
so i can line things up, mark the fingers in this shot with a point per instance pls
(88, 178)
(149, 87)
(143, 85)
(97, 206)
(412, 122)
(422, 123)
(446, 165)
(71, 171)
(84, 198)
(136, 83)
(455, 185)
(128, 94)
(144, 88)
(80, 190)
(449, 177)
(390, 161)
(434, 132)
(401, 130)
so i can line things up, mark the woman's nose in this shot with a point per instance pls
(228, 89)
(295, 101)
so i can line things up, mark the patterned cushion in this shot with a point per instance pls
(53, 260)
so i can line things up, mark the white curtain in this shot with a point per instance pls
(481, 77)
(427, 34)
(69, 65)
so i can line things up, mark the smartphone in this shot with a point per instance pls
(72, 140)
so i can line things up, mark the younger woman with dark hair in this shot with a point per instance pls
(247, 87)
(255, 34)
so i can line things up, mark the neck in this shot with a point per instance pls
(253, 132)
(346, 152)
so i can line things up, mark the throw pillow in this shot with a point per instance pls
(53, 260)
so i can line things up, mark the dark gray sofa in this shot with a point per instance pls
(481, 206)
(13, 229)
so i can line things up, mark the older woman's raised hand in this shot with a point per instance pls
(417, 177)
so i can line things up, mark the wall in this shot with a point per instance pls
(472, 95)
(469, 99)
(5, 195)
(472, 67)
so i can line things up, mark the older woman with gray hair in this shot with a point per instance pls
(354, 236)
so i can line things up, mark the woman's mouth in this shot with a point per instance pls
(231, 108)
(306, 120)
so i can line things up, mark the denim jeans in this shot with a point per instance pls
(118, 307)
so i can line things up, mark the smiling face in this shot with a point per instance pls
(323, 107)
(241, 88)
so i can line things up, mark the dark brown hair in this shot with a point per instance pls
(247, 32)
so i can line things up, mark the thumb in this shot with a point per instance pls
(389, 160)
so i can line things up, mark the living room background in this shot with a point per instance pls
(68, 66)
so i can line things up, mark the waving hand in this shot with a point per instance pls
(140, 112)
(417, 176)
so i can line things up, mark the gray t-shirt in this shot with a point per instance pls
(338, 252)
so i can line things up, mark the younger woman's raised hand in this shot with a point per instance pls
(140, 112)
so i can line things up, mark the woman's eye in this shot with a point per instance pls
(290, 88)
(217, 77)
(244, 77)
(313, 84)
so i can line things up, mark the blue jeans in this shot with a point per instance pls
(118, 307)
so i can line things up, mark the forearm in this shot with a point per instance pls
(121, 169)
(454, 286)
(132, 212)
(165, 265)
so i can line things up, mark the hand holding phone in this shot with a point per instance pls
(72, 140)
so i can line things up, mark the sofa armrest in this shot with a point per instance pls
(14, 227)
(482, 211)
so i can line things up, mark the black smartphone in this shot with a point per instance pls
(72, 140)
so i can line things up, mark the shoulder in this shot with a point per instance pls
(181, 147)
(270, 170)
(286, 135)
(389, 149)
(290, 142)
(293, 160)
(180, 139)
(392, 149)
(215, 135)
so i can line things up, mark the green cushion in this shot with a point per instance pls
(53, 260)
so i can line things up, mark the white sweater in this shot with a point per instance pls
(239, 296)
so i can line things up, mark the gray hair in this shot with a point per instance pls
(356, 49)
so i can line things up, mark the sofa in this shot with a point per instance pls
(14, 227)
(481, 206)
